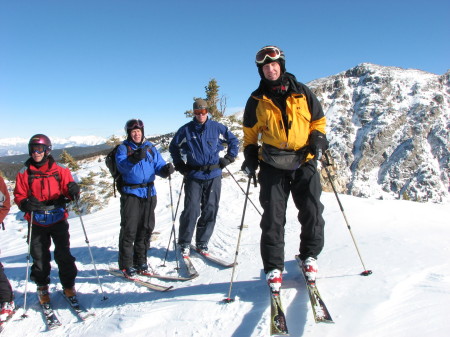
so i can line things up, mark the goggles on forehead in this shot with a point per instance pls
(38, 148)
(273, 53)
(198, 112)
(134, 123)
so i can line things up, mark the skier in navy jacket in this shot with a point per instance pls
(138, 161)
(201, 141)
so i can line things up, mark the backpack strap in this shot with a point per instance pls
(33, 174)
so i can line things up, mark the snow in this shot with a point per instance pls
(404, 243)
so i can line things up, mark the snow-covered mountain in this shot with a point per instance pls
(389, 131)
(14, 146)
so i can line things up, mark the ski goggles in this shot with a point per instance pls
(273, 53)
(38, 149)
(134, 123)
(198, 112)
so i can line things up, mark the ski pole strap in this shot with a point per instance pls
(326, 159)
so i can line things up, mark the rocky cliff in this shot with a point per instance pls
(389, 131)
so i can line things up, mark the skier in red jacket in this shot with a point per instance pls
(43, 187)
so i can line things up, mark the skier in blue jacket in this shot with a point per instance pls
(138, 161)
(201, 141)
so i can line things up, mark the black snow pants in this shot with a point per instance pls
(41, 238)
(136, 227)
(276, 185)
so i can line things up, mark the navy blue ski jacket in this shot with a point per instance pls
(201, 145)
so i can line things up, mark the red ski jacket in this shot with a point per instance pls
(47, 183)
(5, 201)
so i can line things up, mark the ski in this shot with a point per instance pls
(79, 310)
(5, 321)
(50, 317)
(190, 267)
(320, 311)
(212, 258)
(166, 277)
(277, 318)
(136, 280)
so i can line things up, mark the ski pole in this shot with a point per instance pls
(89, 248)
(326, 162)
(30, 230)
(232, 176)
(229, 299)
(172, 233)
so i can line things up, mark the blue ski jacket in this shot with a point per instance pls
(201, 145)
(143, 173)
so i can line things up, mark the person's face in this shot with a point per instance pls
(136, 135)
(201, 115)
(37, 152)
(271, 71)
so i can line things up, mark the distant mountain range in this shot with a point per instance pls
(388, 129)
(17, 146)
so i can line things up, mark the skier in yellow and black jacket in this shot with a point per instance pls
(284, 135)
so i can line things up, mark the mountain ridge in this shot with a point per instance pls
(388, 129)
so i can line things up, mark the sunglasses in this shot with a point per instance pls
(38, 149)
(198, 112)
(272, 53)
(134, 123)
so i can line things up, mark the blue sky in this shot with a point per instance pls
(74, 68)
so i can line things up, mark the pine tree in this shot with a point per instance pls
(216, 105)
(113, 141)
(68, 160)
(212, 97)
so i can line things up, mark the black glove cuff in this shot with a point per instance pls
(230, 158)
(251, 151)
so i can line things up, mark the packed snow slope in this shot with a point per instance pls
(404, 243)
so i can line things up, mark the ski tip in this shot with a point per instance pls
(366, 273)
(227, 300)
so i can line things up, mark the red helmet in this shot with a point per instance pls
(40, 139)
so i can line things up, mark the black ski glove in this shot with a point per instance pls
(251, 162)
(166, 170)
(31, 204)
(226, 160)
(318, 144)
(182, 167)
(138, 155)
(74, 190)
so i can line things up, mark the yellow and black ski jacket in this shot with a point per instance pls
(264, 122)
